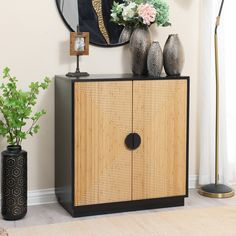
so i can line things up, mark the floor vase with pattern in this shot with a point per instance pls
(14, 183)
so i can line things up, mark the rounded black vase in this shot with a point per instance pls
(14, 183)
(173, 56)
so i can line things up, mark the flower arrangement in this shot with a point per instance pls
(140, 13)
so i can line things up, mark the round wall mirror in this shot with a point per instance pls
(93, 17)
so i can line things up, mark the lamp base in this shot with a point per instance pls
(77, 74)
(216, 191)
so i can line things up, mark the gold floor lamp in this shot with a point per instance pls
(217, 190)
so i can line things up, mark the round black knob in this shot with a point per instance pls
(133, 141)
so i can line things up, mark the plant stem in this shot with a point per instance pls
(33, 124)
(8, 126)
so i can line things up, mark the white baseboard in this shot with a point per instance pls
(42, 196)
(193, 181)
(46, 196)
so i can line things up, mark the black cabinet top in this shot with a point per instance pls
(118, 77)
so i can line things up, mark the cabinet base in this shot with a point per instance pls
(116, 207)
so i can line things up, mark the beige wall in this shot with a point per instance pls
(34, 43)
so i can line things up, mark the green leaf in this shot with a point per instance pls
(22, 135)
(166, 24)
(36, 129)
(6, 72)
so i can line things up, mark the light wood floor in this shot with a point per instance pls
(54, 213)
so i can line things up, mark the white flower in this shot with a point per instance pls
(129, 11)
(119, 8)
(132, 5)
(114, 16)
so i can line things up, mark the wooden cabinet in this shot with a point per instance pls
(97, 171)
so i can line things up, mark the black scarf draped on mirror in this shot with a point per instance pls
(98, 21)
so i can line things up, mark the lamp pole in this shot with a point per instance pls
(217, 190)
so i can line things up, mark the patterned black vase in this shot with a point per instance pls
(14, 183)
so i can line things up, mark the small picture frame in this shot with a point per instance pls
(79, 43)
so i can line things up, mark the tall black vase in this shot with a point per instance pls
(140, 43)
(14, 183)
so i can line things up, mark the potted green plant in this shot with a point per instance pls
(18, 121)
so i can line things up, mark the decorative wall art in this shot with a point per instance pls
(94, 17)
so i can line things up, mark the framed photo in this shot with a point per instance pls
(79, 43)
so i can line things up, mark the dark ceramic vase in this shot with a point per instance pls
(173, 55)
(14, 183)
(140, 43)
(155, 60)
(125, 34)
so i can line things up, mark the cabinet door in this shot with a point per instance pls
(160, 118)
(102, 120)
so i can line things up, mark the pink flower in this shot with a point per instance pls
(147, 12)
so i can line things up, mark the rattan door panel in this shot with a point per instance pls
(102, 163)
(160, 118)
